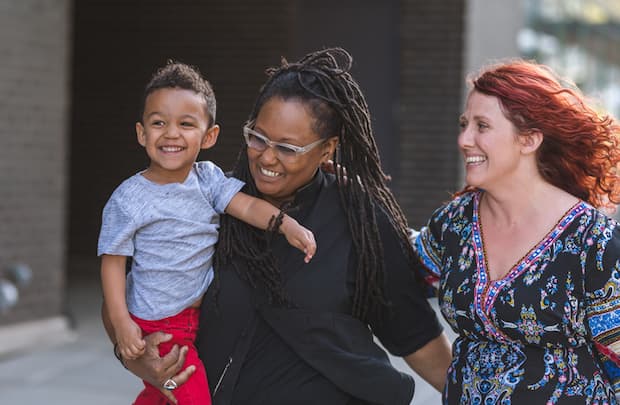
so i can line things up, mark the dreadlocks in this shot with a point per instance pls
(322, 82)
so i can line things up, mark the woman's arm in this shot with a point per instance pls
(602, 300)
(410, 327)
(431, 361)
(150, 366)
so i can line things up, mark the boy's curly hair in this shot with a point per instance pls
(181, 76)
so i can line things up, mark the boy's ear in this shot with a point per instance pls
(140, 133)
(210, 137)
(531, 141)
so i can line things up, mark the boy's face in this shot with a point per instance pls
(174, 128)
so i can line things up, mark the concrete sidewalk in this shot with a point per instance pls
(80, 371)
(84, 370)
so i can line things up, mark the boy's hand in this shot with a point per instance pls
(129, 339)
(299, 237)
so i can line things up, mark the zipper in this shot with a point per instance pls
(219, 381)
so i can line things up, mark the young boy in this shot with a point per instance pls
(167, 217)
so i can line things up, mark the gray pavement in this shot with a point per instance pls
(79, 371)
(84, 370)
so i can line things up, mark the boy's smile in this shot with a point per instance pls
(171, 149)
(174, 127)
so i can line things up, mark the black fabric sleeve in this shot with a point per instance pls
(409, 322)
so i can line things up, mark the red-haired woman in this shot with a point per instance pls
(528, 268)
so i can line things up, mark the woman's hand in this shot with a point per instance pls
(151, 367)
(157, 370)
(330, 167)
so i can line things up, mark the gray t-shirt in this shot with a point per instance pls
(170, 230)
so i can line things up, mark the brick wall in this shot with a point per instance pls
(34, 38)
(431, 85)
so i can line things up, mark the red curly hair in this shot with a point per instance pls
(580, 150)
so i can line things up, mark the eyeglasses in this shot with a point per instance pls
(260, 142)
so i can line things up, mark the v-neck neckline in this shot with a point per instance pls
(486, 287)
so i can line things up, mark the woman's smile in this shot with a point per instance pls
(269, 173)
(475, 160)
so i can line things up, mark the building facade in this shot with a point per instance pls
(35, 77)
(74, 73)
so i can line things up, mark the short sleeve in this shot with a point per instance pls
(409, 322)
(602, 284)
(117, 230)
(216, 186)
(428, 247)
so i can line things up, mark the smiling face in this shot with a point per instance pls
(174, 128)
(286, 121)
(488, 141)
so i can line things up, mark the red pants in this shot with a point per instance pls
(183, 328)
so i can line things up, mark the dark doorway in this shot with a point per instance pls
(118, 44)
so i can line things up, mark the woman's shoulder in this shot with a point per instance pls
(597, 234)
(463, 199)
(459, 205)
(601, 228)
(596, 223)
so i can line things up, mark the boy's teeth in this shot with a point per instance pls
(269, 173)
(171, 148)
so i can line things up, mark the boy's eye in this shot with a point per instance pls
(482, 125)
(157, 123)
(187, 124)
(462, 124)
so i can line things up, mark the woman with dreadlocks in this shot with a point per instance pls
(278, 331)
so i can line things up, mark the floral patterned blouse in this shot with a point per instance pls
(539, 334)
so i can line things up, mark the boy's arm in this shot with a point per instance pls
(259, 213)
(113, 283)
(128, 334)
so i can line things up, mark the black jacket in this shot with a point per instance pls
(319, 329)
